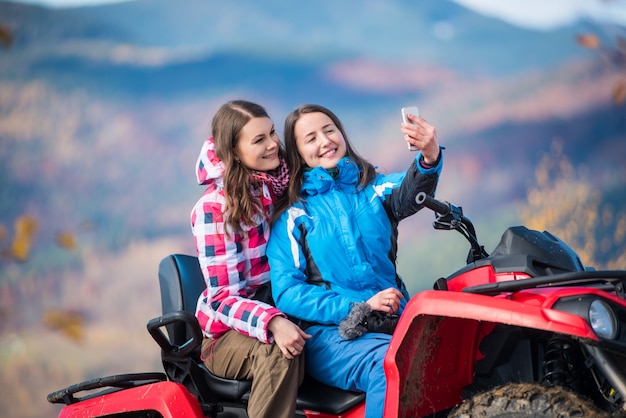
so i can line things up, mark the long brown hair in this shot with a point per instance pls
(241, 205)
(297, 165)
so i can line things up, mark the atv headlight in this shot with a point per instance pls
(602, 319)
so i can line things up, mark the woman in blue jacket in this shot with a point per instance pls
(333, 245)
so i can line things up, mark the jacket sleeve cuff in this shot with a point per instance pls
(354, 325)
(430, 168)
(267, 336)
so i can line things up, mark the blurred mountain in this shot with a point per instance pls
(201, 38)
(104, 109)
(437, 32)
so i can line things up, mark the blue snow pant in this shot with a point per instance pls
(349, 364)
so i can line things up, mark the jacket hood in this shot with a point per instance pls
(209, 168)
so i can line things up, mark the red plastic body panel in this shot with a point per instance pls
(481, 275)
(435, 346)
(168, 398)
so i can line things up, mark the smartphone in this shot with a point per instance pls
(410, 110)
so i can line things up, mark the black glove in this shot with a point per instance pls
(362, 319)
(383, 322)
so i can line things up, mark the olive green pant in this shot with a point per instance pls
(275, 379)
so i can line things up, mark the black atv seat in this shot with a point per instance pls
(181, 283)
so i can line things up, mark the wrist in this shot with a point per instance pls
(273, 323)
(427, 164)
(430, 163)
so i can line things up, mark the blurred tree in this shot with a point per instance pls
(25, 229)
(69, 323)
(565, 203)
(6, 36)
(614, 55)
(66, 240)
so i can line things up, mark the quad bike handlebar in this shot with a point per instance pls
(440, 208)
(449, 217)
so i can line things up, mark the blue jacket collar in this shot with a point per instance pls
(318, 180)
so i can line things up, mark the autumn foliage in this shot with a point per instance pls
(25, 229)
(68, 322)
(564, 201)
(614, 56)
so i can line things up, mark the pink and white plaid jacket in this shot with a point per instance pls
(233, 266)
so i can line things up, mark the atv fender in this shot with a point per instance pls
(434, 348)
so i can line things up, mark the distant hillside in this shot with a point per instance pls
(431, 31)
(440, 33)
(90, 93)
(40, 28)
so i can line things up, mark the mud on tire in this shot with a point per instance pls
(519, 400)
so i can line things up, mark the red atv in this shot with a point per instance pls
(527, 331)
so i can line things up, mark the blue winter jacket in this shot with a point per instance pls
(337, 245)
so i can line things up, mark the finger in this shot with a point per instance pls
(396, 292)
(286, 352)
(423, 123)
(393, 303)
(303, 334)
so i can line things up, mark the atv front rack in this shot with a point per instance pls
(111, 383)
(606, 280)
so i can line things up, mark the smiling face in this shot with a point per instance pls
(258, 145)
(319, 141)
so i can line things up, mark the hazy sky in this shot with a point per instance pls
(537, 14)
(546, 14)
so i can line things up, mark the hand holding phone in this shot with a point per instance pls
(410, 110)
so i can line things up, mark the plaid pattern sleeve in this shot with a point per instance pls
(233, 267)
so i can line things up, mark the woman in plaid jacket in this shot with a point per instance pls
(246, 337)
